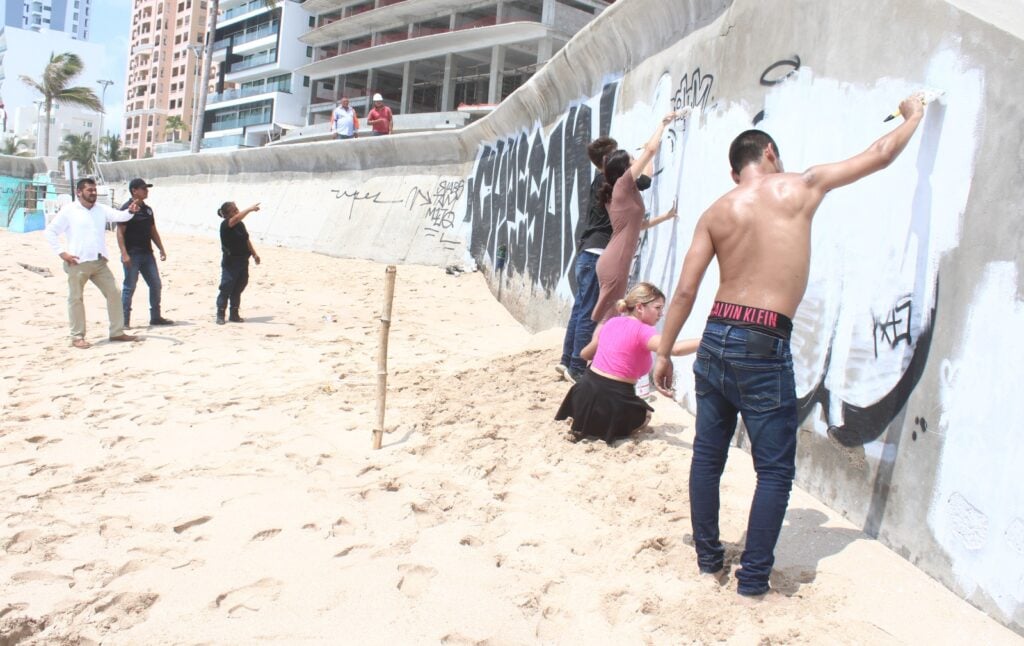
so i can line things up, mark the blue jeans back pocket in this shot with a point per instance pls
(759, 385)
(701, 370)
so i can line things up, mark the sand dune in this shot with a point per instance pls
(215, 484)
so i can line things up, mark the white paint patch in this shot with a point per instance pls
(982, 450)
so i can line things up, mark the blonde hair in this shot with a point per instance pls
(641, 293)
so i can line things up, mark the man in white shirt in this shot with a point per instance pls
(344, 121)
(85, 258)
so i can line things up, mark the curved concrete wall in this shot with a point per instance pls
(905, 344)
(21, 167)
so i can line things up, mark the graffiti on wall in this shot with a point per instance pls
(434, 204)
(526, 193)
(863, 334)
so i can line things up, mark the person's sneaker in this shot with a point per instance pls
(234, 318)
(220, 319)
(562, 370)
(160, 321)
(573, 375)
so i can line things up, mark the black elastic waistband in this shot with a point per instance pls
(755, 318)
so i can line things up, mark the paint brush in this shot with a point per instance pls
(927, 96)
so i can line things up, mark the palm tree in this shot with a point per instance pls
(78, 148)
(174, 125)
(204, 86)
(110, 148)
(16, 148)
(53, 86)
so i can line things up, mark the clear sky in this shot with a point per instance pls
(111, 27)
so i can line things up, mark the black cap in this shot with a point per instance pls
(138, 182)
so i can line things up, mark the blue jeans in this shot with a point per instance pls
(234, 276)
(580, 328)
(142, 262)
(747, 372)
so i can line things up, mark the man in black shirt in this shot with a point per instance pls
(135, 238)
(595, 231)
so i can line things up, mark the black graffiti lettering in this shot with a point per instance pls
(440, 217)
(893, 329)
(863, 424)
(357, 196)
(693, 92)
(521, 196)
(779, 71)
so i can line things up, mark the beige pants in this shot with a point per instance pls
(98, 272)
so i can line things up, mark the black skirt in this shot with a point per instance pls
(603, 408)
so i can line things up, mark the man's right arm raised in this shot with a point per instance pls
(822, 179)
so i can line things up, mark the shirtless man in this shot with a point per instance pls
(761, 233)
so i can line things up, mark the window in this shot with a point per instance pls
(309, 52)
(305, 81)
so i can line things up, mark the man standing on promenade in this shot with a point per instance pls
(135, 239)
(84, 224)
(761, 233)
(380, 117)
(344, 121)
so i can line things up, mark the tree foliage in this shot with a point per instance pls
(78, 148)
(55, 86)
(16, 148)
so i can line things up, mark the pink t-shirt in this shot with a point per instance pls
(622, 348)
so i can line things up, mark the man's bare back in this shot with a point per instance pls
(761, 230)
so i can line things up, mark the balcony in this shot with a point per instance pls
(243, 121)
(461, 40)
(255, 61)
(248, 37)
(223, 142)
(243, 93)
(235, 12)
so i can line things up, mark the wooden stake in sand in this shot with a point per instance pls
(382, 353)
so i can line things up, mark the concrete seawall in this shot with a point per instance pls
(905, 345)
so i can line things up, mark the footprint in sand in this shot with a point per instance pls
(415, 579)
(253, 597)
(126, 609)
(41, 576)
(191, 523)
(265, 534)
(21, 543)
(348, 550)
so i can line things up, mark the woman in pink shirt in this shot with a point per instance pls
(603, 402)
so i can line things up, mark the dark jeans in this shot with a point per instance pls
(580, 328)
(142, 262)
(744, 371)
(234, 276)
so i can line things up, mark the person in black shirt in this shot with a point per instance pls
(236, 247)
(595, 231)
(135, 238)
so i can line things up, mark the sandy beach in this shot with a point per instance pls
(216, 484)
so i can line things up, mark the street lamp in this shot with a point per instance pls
(39, 109)
(103, 106)
(197, 125)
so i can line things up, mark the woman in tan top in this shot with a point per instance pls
(626, 211)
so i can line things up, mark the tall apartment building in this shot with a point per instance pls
(256, 90)
(167, 37)
(70, 16)
(432, 55)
